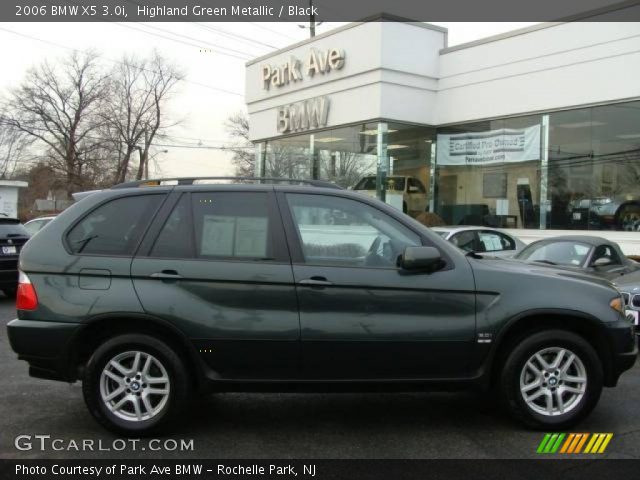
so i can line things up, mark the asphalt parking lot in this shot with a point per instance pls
(282, 426)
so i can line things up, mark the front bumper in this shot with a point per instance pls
(44, 345)
(624, 349)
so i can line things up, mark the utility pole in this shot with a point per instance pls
(312, 20)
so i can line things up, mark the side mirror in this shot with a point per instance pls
(425, 259)
(602, 262)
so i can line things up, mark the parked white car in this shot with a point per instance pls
(483, 240)
(414, 194)
(37, 224)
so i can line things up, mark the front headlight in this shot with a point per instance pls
(617, 304)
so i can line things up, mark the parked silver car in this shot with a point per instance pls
(483, 240)
(37, 224)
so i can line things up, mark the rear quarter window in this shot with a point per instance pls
(114, 228)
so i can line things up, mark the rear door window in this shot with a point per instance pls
(232, 225)
(495, 242)
(219, 225)
(114, 228)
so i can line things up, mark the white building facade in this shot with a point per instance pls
(537, 130)
(9, 190)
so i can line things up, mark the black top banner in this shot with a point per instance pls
(322, 10)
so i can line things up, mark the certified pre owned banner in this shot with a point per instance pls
(495, 146)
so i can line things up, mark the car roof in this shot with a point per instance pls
(461, 228)
(389, 176)
(588, 239)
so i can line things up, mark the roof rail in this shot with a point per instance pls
(192, 180)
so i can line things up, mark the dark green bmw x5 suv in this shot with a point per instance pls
(148, 292)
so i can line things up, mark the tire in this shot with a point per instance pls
(578, 402)
(157, 408)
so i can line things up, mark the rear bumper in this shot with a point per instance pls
(44, 345)
(8, 272)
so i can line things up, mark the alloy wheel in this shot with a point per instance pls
(134, 386)
(553, 381)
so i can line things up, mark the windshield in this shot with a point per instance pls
(369, 183)
(10, 227)
(442, 233)
(556, 253)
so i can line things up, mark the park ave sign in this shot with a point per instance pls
(303, 115)
(317, 61)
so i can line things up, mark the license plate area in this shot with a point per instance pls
(10, 250)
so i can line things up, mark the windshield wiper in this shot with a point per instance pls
(548, 262)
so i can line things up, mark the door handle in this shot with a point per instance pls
(166, 275)
(315, 282)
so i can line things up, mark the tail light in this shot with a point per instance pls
(26, 298)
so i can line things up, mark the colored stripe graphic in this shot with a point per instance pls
(598, 442)
(550, 443)
(574, 443)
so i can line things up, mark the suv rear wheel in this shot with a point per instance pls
(134, 384)
(551, 379)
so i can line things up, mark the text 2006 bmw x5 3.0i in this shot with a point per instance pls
(150, 291)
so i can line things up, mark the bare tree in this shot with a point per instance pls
(14, 149)
(160, 79)
(288, 160)
(347, 168)
(135, 113)
(58, 107)
(282, 160)
(243, 159)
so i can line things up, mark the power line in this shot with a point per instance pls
(243, 58)
(232, 35)
(256, 24)
(49, 42)
(239, 52)
(200, 43)
(198, 40)
(229, 145)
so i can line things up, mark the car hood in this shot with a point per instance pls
(541, 269)
(629, 283)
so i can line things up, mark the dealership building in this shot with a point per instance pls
(536, 130)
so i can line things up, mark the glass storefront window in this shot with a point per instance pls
(594, 168)
(350, 157)
(346, 155)
(491, 173)
(488, 173)
(409, 152)
(289, 158)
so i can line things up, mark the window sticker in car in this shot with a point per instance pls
(227, 236)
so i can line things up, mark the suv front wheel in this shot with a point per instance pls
(134, 384)
(551, 379)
